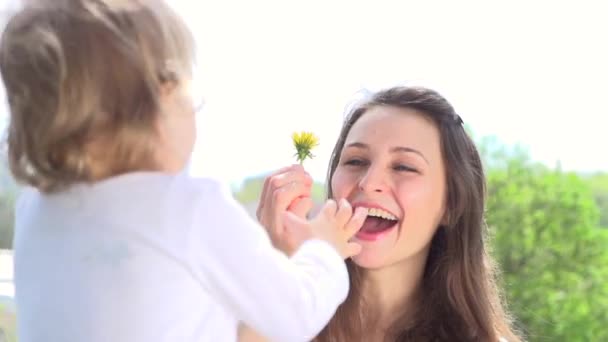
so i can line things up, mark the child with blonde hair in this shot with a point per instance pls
(113, 242)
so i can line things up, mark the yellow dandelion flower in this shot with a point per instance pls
(304, 143)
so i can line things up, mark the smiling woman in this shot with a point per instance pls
(426, 276)
(423, 273)
(392, 162)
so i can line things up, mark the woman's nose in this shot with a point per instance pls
(373, 180)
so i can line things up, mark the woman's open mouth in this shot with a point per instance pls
(378, 223)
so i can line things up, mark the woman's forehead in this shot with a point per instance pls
(386, 125)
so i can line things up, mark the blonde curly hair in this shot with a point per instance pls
(84, 73)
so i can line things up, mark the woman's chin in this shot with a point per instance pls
(375, 248)
(370, 259)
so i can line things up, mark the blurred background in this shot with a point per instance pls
(529, 78)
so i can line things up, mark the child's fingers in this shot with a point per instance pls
(352, 249)
(329, 209)
(356, 221)
(345, 211)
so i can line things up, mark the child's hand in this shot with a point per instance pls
(335, 224)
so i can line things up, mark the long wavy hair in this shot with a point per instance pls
(460, 300)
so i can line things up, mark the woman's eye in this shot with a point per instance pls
(405, 168)
(355, 162)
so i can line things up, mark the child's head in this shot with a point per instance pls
(96, 89)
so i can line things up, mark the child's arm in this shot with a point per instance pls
(284, 299)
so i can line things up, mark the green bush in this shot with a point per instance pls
(547, 240)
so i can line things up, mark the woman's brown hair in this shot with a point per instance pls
(83, 73)
(460, 300)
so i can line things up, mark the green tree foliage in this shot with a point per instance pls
(251, 189)
(8, 193)
(599, 186)
(546, 238)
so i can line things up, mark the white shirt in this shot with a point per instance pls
(155, 257)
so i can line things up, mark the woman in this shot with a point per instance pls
(423, 273)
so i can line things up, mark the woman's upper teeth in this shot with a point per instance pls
(376, 212)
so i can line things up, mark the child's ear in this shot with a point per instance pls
(169, 80)
(167, 88)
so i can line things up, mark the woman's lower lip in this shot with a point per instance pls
(369, 236)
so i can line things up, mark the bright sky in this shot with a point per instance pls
(533, 72)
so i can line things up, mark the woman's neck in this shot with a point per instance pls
(392, 291)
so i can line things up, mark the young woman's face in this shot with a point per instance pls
(392, 163)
